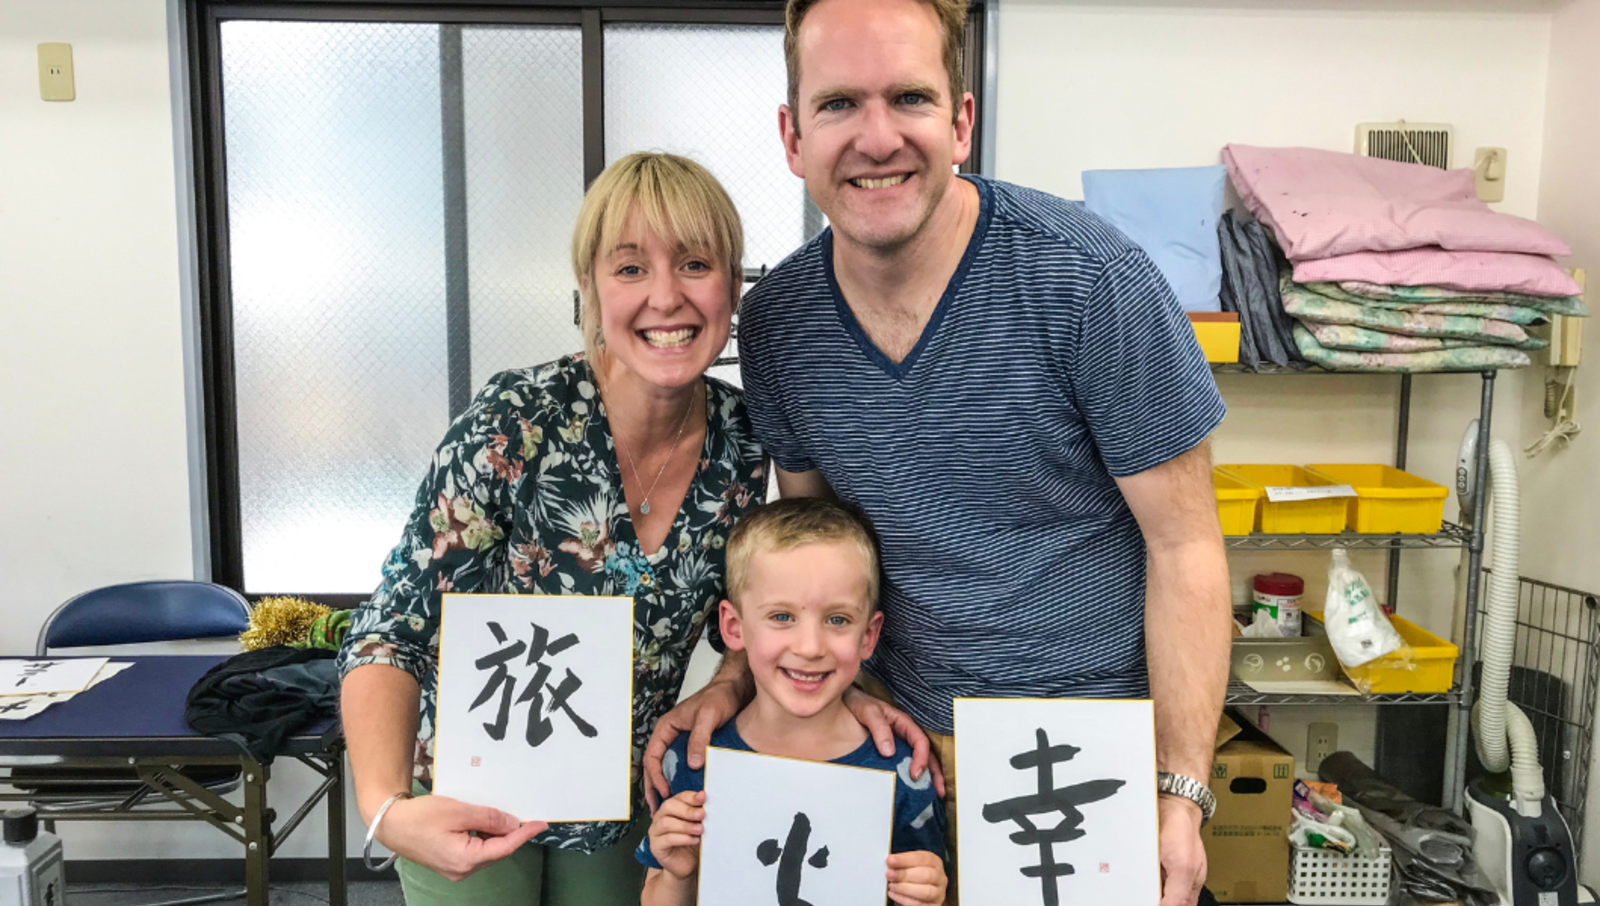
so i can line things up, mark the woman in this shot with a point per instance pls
(617, 471)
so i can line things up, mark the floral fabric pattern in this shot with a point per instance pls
(1472, 358)
(524, 496)
(1427, 295)
(1305, 305)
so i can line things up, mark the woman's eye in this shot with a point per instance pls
(698, 266)
(629, 270)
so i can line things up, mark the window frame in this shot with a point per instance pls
(202, 20)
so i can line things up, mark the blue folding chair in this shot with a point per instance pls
(130, 614)
(145, 612)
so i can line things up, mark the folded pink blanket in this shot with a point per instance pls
(1534, 275)
(1324, 203)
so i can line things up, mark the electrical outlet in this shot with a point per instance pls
(55, 73)
(1322, 740)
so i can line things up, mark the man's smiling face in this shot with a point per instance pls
(877, 139)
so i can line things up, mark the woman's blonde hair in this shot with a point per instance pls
(675, 198)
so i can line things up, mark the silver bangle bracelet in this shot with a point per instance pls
(372, 833)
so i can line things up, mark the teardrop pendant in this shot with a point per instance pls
(644, 508)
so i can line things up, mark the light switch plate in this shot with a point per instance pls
(1489, 173)
(55, 73)
(1322, 740)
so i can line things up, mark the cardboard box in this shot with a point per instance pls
(1247, 841)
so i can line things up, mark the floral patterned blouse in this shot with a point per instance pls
(525, 496)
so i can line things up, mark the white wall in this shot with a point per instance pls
(1167, 83)
(95, 470)
(1561, 495)
(94, 465)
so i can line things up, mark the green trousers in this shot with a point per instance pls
(537, 875)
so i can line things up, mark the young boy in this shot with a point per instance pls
(803, 584)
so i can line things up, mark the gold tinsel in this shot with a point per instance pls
(280, 621)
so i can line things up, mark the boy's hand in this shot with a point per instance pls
(675, 833)
(916, 879)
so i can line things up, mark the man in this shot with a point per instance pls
(1007, 386)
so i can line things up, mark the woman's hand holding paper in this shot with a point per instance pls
(434, 832)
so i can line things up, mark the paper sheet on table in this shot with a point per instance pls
(22, 707)
(1301, 687)
(782, 830)
(36, 676)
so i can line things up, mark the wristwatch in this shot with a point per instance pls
(1190, 789)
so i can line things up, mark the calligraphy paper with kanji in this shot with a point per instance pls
(39, 676)
(1058, 802)
(786, 832)
(536, 705)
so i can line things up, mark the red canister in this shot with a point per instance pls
(1279, 595)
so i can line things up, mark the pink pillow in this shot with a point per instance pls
(1534, 275)
(1324, 203)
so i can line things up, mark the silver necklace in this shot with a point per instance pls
(644, 505)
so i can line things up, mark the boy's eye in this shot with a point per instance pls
(838, 620)
(781, 617)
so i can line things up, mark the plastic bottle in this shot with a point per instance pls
(30, 862)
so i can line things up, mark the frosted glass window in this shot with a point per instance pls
(332, 133)
(524, 159)
(711, 92)
(336, 217)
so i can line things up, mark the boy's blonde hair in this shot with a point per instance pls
(788, 523)
(675, 198)
(952, 23)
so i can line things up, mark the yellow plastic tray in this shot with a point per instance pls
(1388, 500)
(1299, 517)
(1431, 666)
(1236, 503)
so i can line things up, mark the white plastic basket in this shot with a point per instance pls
(1322, 876)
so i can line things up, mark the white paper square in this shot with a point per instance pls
(1116, 860)
(752, 804)
(34, 676)
(568, 775)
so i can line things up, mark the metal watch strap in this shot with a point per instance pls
(1189, 788)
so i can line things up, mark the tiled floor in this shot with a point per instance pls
(361, 893)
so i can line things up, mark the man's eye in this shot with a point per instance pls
(835, 105)
(913, 99)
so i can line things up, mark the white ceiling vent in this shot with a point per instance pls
(1412, 143)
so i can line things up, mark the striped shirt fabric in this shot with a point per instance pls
(1056, 359)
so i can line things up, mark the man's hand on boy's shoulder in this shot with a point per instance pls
(917, 878)
(885, 722)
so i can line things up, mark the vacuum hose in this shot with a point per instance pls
(1495, 721)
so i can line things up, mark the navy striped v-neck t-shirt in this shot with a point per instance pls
(1056, 360)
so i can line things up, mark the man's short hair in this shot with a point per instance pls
(793, 521)
(952, 22)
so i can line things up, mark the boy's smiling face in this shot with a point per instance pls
(805, 622)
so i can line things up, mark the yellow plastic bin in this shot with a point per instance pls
(1388, 500)
(1323, 516)
(1236, 503)
(1431, 666)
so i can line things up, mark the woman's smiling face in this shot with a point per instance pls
(665, 311)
